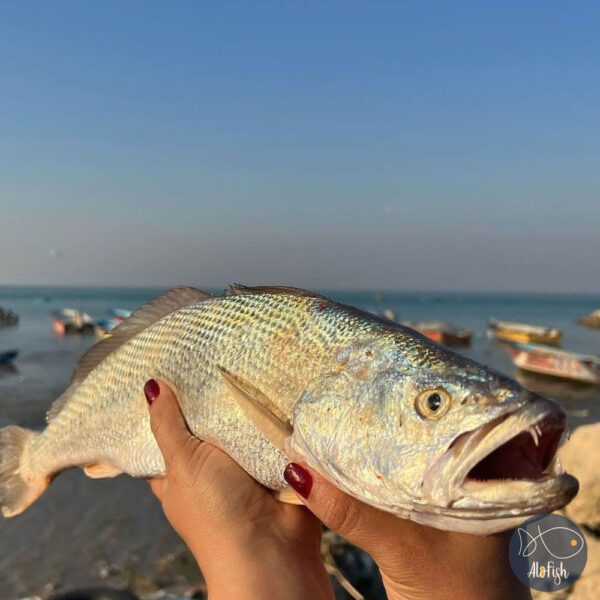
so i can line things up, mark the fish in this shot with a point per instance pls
(273, 374)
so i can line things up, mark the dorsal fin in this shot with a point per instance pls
(139, 320)
(238, 289)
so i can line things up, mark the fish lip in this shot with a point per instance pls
(447, 481)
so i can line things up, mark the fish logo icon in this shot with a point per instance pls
(553, 541)
(548, 552)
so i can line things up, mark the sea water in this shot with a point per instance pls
(46, 361)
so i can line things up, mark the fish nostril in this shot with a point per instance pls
(472, 399)
(481, 399)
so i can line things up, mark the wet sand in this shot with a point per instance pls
(113, 534)
(82, 532)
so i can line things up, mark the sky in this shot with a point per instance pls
(390, 145)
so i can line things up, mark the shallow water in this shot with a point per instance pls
(81, 523)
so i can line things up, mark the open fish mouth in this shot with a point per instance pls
(528, 455)
(505, 467)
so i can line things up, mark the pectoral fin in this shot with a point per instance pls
(262, 412)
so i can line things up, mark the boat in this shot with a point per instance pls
(591, 320)
(71, 320)
(119, 314)
(523, 333)
(389, 314)
(104, 327)
(8, 356)
(441, 332)
(8, 317)
(538, 358)
(386, 313)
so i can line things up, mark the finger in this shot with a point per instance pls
(156, 485)
(373, 530)
(167, 422)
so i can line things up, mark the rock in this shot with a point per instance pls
(591, 320)
(587, 587)
(581, 457)
(562, 595)
(97, 594)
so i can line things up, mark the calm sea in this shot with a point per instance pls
(45, 361)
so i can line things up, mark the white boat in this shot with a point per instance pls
(556, 363)
(71, 320)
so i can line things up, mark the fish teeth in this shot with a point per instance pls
(558, 467)
(534, 434)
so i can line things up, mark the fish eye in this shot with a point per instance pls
(433, 404)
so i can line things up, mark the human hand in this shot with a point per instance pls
(247, 544)
(415, 561)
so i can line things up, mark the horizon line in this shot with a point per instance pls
(382, 290)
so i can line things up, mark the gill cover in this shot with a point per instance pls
(348, 429)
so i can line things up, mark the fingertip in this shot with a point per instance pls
(167, 421)
(151, 391)
(361, 523)
(299, 478)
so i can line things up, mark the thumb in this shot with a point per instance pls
(378, 533)
(167, 422)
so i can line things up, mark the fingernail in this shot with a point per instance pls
(299, 478)
(151, 391)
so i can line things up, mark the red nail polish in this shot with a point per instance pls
(299, 478)
(151, 391)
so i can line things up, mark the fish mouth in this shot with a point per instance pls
(506, 467)
(526, 456)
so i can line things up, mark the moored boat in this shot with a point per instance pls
(71, 320)
(7, 356)
(8, 317)
(591, 320)
(524, 333)
(103, 327)
(119, 314)
(556, 363)
(441, 332)
(389, 314)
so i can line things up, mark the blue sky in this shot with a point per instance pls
(430, 145)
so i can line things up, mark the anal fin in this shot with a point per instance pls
(101, 471)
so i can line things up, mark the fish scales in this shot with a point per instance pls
(276, 342)
(273, 374)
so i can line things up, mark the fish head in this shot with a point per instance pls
(447, 442)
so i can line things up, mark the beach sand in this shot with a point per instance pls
(90, 532)
(82, 532)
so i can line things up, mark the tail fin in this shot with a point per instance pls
(19, 488)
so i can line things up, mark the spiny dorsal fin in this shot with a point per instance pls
(261, 411)
(238, 289)
(139, 320)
